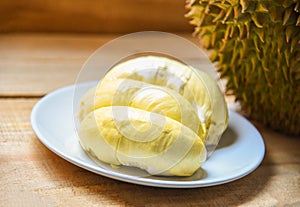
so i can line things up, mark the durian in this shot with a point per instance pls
(153, 113)
(137, 94)
(194, 85)
(256, 45)
(164, 147)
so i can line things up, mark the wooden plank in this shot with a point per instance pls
(32, 65)
(35, 64)
(114, 16)
(32, 175)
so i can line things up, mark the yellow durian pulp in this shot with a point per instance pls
(195, 86)
(153, 113)
(137, 94)
(128, 136)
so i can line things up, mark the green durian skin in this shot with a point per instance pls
(256, 45)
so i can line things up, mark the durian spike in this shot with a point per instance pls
(207, 9)
(298, 21)
(294, 43)
(241, 30)
(286, 55)
(226, 34)
(223, 45)
(234, 56)
(235, 82)
(219, 16)
(260, 34)
(256, 45)
(296, 9)
(288, 33)
(244, 48)
(247, 71)
(286, 16)
(231, 31)
(244, 4)
(255, 21)
(213, 39)
(235, 13)
(247, 24)
(228, 13)
(253, 63)
(261, 8)
(266, 75)
(284, 71)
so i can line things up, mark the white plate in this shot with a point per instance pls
(240, 151)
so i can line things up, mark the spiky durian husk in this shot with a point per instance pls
(256, 44)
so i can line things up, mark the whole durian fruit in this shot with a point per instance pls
(256, 46)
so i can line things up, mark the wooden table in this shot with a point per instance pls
(31, 65)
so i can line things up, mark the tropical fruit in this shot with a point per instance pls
(196, 86)
(256, 45)
(153, 113)
(129, 136)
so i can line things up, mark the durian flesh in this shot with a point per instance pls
(153, 113)
(195, 86)
(135, 137)
(137, 94)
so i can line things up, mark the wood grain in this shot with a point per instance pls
(32, 175)
(33, 65)
(114, 16)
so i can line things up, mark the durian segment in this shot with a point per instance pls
(137, 94)
(99, 137)
(219, 116)
(135, 137)
(86, 103)
(167, 102)
(196, 87)
(154, 70)
(117, 93)
(113, 93)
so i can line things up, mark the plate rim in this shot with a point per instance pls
(129, 178)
